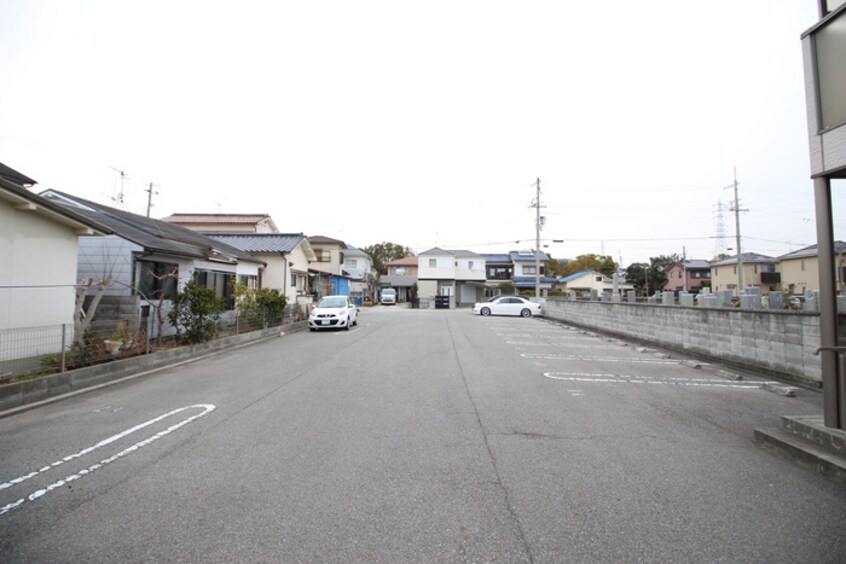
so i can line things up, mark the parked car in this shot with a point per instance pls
(389, 297)
(508, 305)
(333, 312)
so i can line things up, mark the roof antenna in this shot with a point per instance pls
(118, 198)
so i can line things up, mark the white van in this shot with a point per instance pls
(389, 297)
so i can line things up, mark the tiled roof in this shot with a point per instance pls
(407, 261)
(152, 234)
(261, 242)
(322, 240)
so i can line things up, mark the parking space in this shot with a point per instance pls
(580, 357)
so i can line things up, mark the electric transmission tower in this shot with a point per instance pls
(720, 245)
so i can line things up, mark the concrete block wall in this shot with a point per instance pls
(782, 342)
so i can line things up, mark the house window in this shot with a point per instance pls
(220, 282)
(470, 265)
(803, 266)
(599, 278)
(249, 281)
(322, 255)
(433, 263)
(352, 263)
(157, 280)
(293, 280)
(529, 270)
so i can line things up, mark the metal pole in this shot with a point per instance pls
(834, 392)
(537, 239)
(64, 346)
(737, 231)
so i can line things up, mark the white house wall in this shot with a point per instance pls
(444, 268)
(470, 269)
(37, 269)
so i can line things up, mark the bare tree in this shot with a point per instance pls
(82, 316)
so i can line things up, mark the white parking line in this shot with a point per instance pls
(607, 378)
(600, 358)
(207, 408)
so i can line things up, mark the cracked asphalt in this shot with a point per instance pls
(419, 436)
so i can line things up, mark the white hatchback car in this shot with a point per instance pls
(508, 305)
(333, 312)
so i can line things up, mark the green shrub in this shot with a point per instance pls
(193, 313)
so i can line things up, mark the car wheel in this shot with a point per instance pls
(347, 326)
(485, 311)
(526, 313)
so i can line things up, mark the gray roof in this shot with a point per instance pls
(458, 253)
(354, 252)
(152, 234)
(694, 263)
(521, 256)
(260, 242)
(747, 257)
(397, 280)
(19, 194)
(811, 251)
(498, 257)
(14, 176)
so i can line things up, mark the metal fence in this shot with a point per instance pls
(36, 351)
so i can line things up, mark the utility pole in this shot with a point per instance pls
(538, 225)
(736, 209)
(150, 193)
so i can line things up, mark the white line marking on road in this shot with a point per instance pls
(599, 358)
(207, 408)
(605, 378)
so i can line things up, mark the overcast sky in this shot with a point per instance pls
(426, 123)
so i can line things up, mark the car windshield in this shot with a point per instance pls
(332, 302)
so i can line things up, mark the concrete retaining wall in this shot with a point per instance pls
(773, 341)
(19, 394)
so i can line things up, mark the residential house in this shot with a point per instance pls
(759, 271)
(224, 222)
(326, 275)
(525, 271)
(401, 276)
(147, 259)
(688, 276)
(458, 274)
(359, 267)
(287, 256)
(498, 268)
(583, 282)
(800, 269)
(517, 267)
(39, 243)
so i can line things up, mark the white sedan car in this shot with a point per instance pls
(508, 305)
(333, 312)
